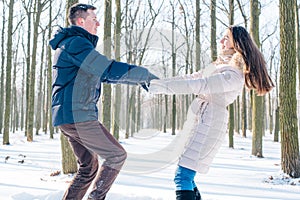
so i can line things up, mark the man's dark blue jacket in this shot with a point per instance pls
(78, 70)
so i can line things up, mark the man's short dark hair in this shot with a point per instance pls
(79, 10)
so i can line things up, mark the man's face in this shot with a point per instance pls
(90, 23)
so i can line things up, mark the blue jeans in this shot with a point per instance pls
(184, 178)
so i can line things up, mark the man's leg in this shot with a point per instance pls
(88, 166)
(96, 138)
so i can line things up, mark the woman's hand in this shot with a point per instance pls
(158, 87)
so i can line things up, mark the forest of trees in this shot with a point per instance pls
(169, 37)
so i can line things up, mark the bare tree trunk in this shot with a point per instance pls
(298, 58)
(39, 110)
(231, 125)
(15, 111)
(22, 98)
(198, 47)
(270, 103)
(166, 114)
(133, 111)
(213, 30)
(187, 33)
(8, 73)
(258, 101)
(231, 106)
(128, 48)
(250, 110)
(28, 8)
(49, 78)
(244, 115)
(288, 102)
(44, 106)
(117, 104)
(106, 114)
(277, 128)
(13, 93)
(138, 111)
(277, 122)
(30, 119)
(127, 114)
(237, 115)
(2, 69)
(69, 164)
(173, 71)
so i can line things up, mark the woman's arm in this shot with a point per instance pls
(227, 80)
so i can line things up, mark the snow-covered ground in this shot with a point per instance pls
(26, 168)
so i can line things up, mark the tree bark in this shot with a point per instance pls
(117, 104)
(277, 124)
(244, 113)
(288, 102)
(31, 94)
(106, 114)
(8, 74)
(28, 53)
(298, 57)
(197, 37)
(69, 164)
(173, 71)
(39, 110)
(2, 70)
(258, 101)
(231, 125)
(49, 78)
(231, 106)
(213, 29)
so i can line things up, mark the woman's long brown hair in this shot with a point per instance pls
(256, 75)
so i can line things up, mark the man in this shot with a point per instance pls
(78, 71)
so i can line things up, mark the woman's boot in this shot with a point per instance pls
(185, 195)
(197, 194)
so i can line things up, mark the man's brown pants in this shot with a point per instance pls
(88, 140)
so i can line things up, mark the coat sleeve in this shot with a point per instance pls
(228, 80)
(119, 72)
(83, 54)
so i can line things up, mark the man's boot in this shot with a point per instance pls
(103, 182)
(185, 195)
(81, 182)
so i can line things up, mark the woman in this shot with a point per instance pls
(215, 92)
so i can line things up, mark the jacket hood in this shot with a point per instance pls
(64, 33)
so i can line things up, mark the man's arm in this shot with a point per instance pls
(109, 71)
(124, 73)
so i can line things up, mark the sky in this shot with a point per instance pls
(235, 174)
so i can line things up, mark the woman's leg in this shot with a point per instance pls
(184, 181)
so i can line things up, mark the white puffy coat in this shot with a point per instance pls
(207, 117)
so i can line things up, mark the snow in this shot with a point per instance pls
(25, 170)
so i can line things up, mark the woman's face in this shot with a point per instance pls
(227, 40)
